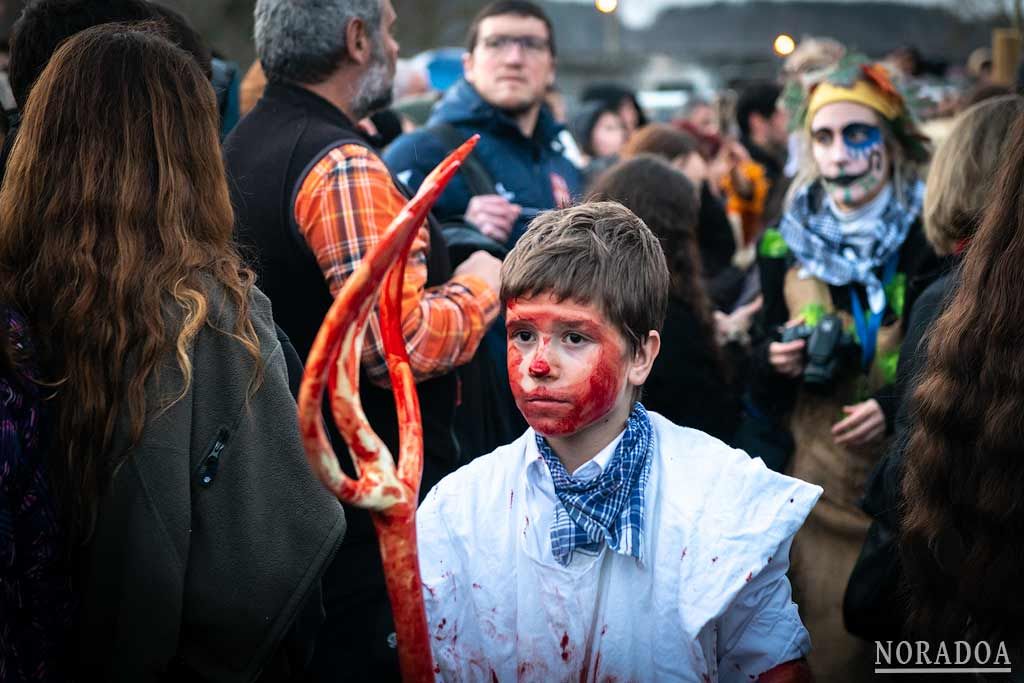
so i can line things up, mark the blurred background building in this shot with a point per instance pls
(688, 48)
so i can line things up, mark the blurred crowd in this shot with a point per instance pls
(845, 283)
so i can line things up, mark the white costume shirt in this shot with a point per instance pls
(711, 602)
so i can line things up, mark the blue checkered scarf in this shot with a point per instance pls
(608, 508)
(815, 236)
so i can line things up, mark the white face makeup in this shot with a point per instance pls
(850, 151)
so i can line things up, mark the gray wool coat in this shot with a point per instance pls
(214, 531)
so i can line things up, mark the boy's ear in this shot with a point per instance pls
(643, 359)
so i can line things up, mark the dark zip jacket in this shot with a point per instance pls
(214, 532)
(525, 170)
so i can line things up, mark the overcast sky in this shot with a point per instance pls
(637, 13)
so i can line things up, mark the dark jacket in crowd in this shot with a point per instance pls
(717, 246)
(211, 540)
(268, 156)
(531, 172)
(874, 606)
(690, 383)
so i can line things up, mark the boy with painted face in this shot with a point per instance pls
(848, 254)
(606, 543)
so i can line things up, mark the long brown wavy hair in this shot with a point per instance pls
(114, 222)
(962, 544)
(668, 203)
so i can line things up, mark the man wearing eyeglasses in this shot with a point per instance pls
(508, 66)
(517, 170)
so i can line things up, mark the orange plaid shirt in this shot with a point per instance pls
(343, 208)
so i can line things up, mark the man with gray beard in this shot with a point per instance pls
(312, 198)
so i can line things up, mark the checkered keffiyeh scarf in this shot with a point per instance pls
(608, 508)
(815, 237)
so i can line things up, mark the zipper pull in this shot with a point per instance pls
(208, 467)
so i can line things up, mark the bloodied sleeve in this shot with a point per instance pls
(762, 627)
(441, 567)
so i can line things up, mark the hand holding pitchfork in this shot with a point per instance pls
(390, 492)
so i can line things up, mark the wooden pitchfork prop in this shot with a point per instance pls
(390, 492)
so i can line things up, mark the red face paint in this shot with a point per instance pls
(567, 364)
(539, 368)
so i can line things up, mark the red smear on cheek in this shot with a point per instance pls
(589, 390)
(596, 397)
(515, 371)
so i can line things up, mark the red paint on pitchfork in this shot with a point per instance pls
(389, 490)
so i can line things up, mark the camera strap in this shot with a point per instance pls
(868, 326)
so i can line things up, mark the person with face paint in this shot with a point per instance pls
(846, 258)
(518, 168)
(606, 543)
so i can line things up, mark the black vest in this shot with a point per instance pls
(268, 156)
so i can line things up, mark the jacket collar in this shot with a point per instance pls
(297, 96)
(463, 105)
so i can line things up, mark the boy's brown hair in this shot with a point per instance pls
(598, 253)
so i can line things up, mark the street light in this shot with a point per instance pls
(606, 6)
(784, 45)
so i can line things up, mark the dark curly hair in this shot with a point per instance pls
(962, 544)
(111, 271)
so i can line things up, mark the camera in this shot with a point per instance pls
(829, 350)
